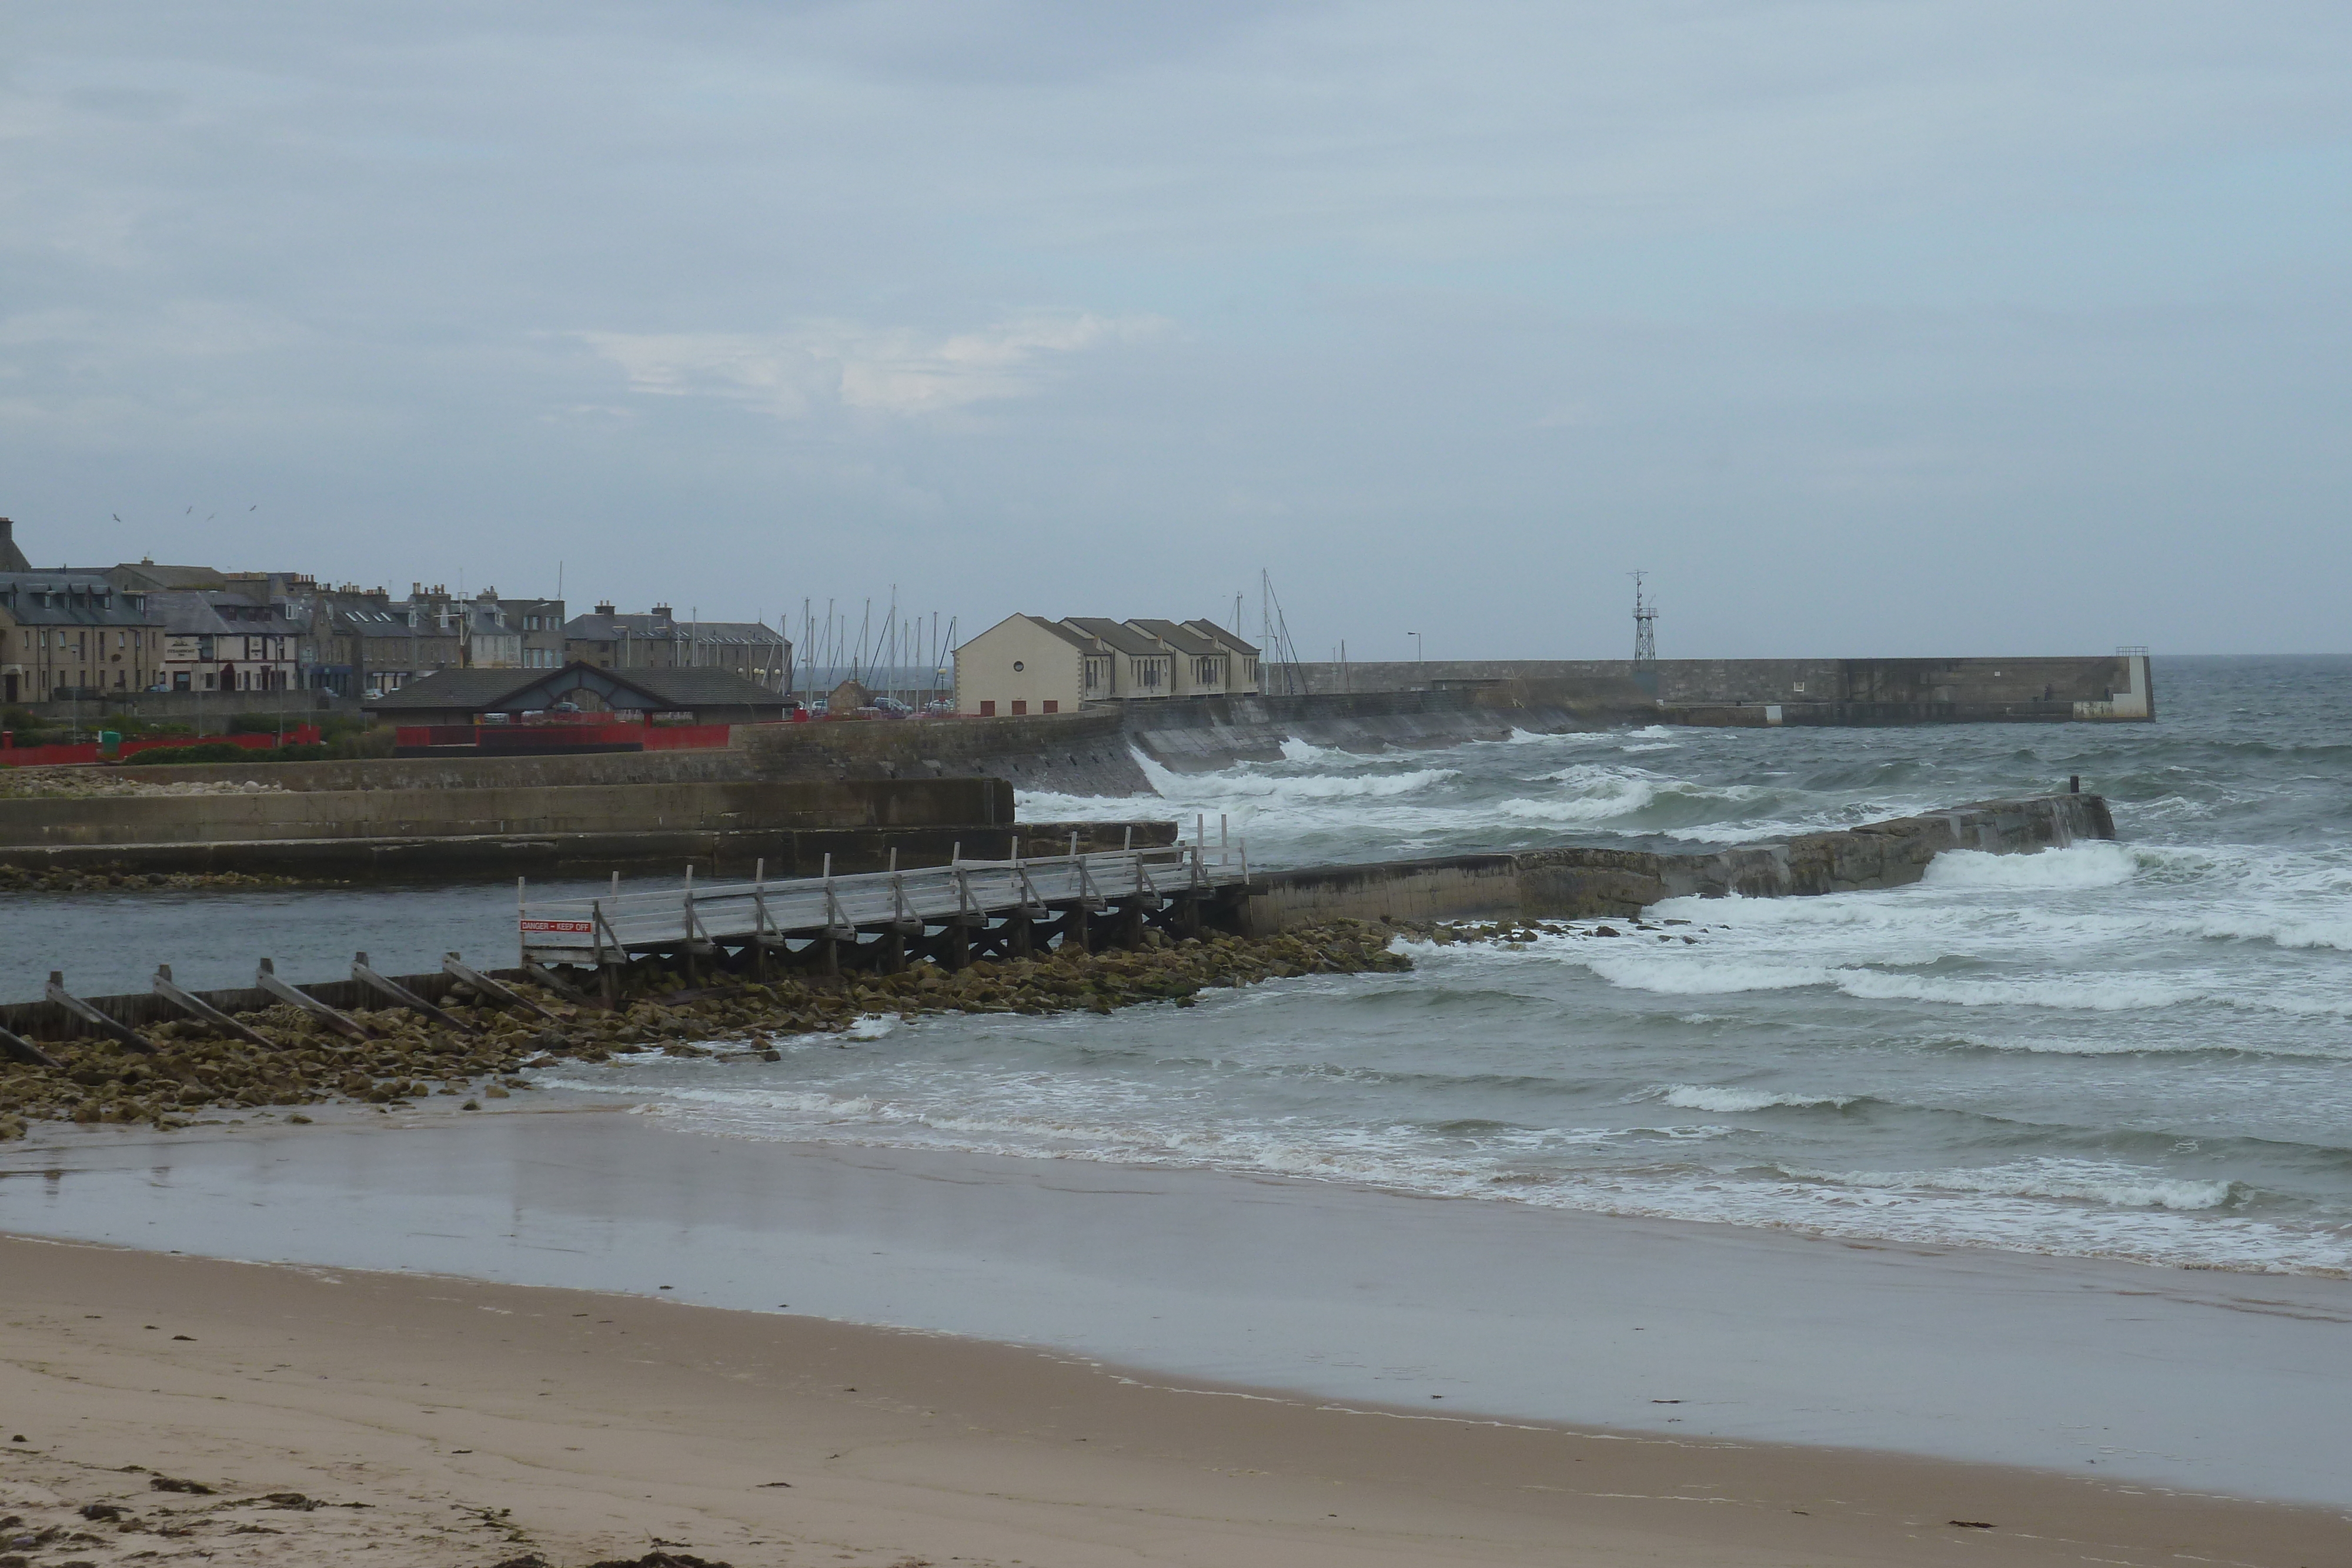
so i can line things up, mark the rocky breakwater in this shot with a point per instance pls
(490, 1052)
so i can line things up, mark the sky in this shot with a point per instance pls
(1865, 327)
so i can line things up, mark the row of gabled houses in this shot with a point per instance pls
(92, 631)
(1028, 664)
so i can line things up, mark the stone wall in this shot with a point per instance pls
(1571, 883)
(2000, 681)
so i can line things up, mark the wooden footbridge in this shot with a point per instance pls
(884, 920)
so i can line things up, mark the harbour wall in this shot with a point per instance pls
(496, 827)
(1565, 884)
(2091, 688)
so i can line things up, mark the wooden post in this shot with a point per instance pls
(760, 919)
(492, 990)
(368, 978)
(16, 1048)
(202, 1011)
(265, 977)
(113, 1029)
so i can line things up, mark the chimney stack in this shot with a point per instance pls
(605, 609)
(11, 558)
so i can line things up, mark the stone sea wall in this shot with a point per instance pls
(1570, 883)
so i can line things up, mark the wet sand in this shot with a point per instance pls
(1612, 1372)
(482, 1423)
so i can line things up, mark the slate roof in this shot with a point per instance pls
(1183, 639)
(1075, 639)
(1217, 634)
(1119, 635)
(663, 629)
(482, 690)
(191, 612)
(69, 598)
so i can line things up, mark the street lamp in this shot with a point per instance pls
(1421, 670)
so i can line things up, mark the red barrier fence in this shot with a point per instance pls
(509, 739)
(88, 750)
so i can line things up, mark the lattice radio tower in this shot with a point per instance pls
(1645, 625)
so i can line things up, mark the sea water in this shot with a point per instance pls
(2139, 1050)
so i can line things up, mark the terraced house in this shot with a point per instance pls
(73, 634)
(1027, 665)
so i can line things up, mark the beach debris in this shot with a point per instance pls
(171, 1483)
(102, 1511)
(659, 1558)
(1970, 1524)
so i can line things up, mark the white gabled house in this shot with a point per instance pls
(1023, 664)
(1027, 665)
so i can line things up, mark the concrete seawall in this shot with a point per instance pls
(2039, 689)
(1572, 883)
(498, 828)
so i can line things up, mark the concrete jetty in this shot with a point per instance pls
(1568, 883)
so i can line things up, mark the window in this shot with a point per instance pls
(988, 710)
(1020, 706)
(1053, 706)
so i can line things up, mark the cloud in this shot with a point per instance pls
(898, 371)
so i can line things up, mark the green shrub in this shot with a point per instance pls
(213, 751)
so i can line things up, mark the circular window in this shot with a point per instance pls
(1018, 666)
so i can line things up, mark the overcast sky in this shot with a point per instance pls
(1867, 328)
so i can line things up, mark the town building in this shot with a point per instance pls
(1241, 675)
(68, 634)
(1139, 665)
(1024, 664)
(658, 640)
(463, 696)
(217, 640)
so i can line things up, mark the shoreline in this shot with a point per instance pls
(1337, 1292)
(456, 1411)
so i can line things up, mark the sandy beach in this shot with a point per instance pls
(480, 1423)
(463, 1315)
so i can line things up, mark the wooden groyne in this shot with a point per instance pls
(1568, 883)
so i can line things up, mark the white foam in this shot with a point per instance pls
(2084, 865)
(1674, 976)
(1726, 1102)
(2073, 1180)
(872, 1025)
(2097, 993)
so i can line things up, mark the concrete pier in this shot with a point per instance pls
(1566, 883)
